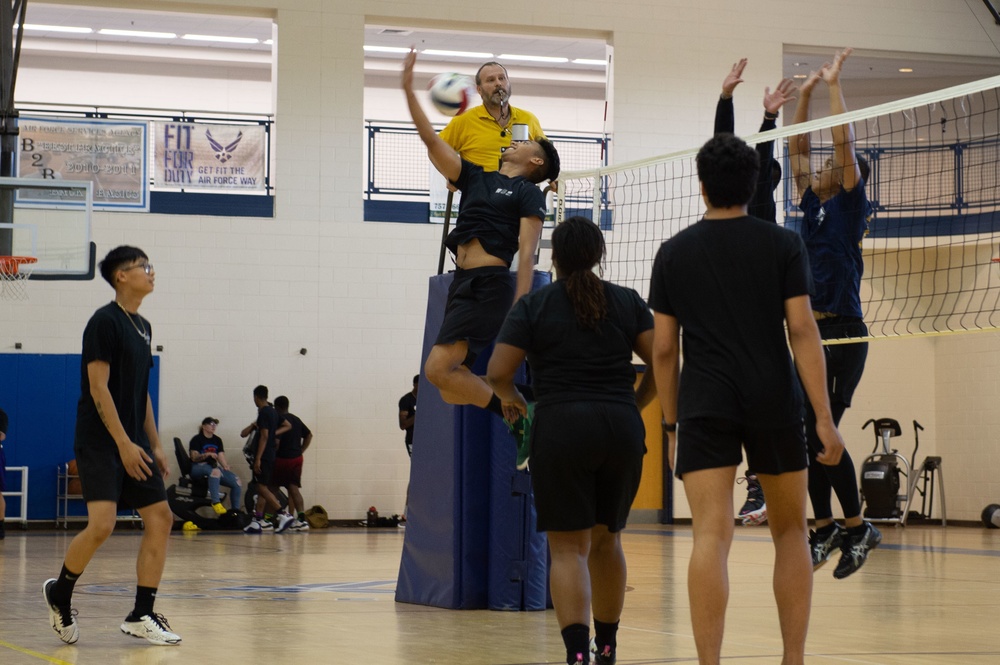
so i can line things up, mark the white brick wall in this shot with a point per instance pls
(237, 298)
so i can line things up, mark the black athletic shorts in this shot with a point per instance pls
(586, 463)
(478, 302)
(711, 443)
(104, 478)
(3, 470)
(266, 471)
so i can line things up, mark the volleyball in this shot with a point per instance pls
(452, 93)
(991, 516)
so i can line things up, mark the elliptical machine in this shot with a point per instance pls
(880, 476)
(881, 483)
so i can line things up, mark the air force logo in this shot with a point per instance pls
(223, 153)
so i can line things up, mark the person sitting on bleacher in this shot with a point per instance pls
(208, 460)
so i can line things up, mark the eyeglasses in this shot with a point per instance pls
(146, 267)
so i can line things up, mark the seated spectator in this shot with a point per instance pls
(208, 460)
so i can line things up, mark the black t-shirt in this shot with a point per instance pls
(268, 419)
(569, 362)
(290, 443)
(115, 337)
(408, 403)
(203, 444)
(4, 422)
(726, 282)
(491, 210)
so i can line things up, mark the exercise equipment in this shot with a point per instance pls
(889, 481)
(991, 516)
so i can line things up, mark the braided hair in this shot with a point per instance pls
(577, 246)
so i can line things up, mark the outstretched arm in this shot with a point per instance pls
(843, 135)
(442, 155)
(799, 146)
(725, 122)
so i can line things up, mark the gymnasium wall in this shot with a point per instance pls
(237, 299)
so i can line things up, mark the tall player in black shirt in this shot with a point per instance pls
(118, 450)
(501, 213)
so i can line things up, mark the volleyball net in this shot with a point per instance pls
(932, 252)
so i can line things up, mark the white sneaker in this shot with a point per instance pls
(151, 627)
(256, 526)
(284, 521)
(299, 525)
(63, 621)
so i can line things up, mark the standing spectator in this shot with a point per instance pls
(408, 414)
(266, 427)
(293, 440)
(118, 451)
(208, 460)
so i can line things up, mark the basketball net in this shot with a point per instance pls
(14, 273)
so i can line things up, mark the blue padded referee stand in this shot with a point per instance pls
(470, 539)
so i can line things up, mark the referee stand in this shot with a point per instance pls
(470, 539)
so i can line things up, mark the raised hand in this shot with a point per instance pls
(814, 77)
(408, 62)
(734, 78)
(783, 94)
(831, 71)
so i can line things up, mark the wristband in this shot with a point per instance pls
(769, 116)
(669, 427)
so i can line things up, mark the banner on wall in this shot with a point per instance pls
(190, 155)
(110, 153)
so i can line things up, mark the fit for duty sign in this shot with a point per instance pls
(191, 155)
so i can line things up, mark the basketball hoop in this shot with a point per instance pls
(14, 273)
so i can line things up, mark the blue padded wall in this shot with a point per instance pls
(39, 392)
(470, 538)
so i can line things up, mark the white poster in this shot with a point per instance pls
(194, 155)
(109, 153)
(439, 198)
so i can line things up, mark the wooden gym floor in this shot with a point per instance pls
(927, 596)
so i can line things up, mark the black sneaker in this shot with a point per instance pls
(854, 551)
(754, 511)
(822, 548)
(604, 657)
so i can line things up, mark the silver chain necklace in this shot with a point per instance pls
(142, 332)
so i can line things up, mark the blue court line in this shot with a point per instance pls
(926, 549)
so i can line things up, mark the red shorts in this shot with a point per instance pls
(287, 472)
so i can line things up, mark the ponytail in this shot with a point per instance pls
(586, 293)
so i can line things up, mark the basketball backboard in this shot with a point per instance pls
(55, 227)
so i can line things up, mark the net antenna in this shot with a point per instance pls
(934, 188)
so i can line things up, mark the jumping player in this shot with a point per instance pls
(501, 214)
(835, 211)
(754, 510)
